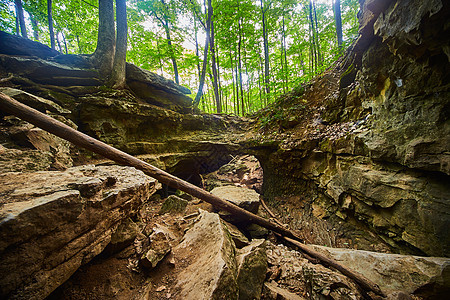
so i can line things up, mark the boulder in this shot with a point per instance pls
(49, 72)
(427, 277)
(135, 73)
(173, 204)
(239, 239)
(208, 255)
(51, 223)
(252, 269)
(158, 90)
(17, 45)
(245, 198)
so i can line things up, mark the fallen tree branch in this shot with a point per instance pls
(57, 128)
(269, 211)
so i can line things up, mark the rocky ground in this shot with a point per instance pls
(177, 247)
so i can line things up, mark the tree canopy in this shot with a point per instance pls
(246, 52)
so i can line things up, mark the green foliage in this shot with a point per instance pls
(288, 35)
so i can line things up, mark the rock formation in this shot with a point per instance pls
(365, 155)
(52, 222)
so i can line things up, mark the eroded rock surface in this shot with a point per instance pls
(54, 222)
(423, 276)
(365, 155)
(245, 198)
(209, 253)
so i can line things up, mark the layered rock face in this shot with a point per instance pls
(371, 161)
(51, 223)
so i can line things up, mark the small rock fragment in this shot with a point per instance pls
(159, 247)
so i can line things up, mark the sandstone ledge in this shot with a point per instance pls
(51, 223)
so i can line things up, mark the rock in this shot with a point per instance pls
(311, 281)
(48, 72)
(173, 204)
(245, 198)
(135, 73)
(381, 163)
(422, 276)
(15, 160)
(255, 231)
(39, 103)
(209, 256)
(51, 223)
(17, 45)
(158, 90)
(124, 235)
(252, 269)
(243, 170)
(159, 248)
(239, 239)
(27, 148)
(272, 291)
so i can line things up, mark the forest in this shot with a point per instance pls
(235, 56)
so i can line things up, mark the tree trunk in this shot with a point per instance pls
(214, 68)
(104, 54)
(58, 43)
(50, 24)
(19, 12)
(218, 80)
(196, 48)
(65, 42)
(319, 53)
(17, 24)
(313, 39)
(80, 48)
(237, 88)
(172, 54)
(118, 71)
(266, 49)
(34, 25)
(240, 69)
(338, 19)
(233, 81)
(205, 56)
(284, 50)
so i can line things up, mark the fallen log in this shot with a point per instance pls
(66, 132)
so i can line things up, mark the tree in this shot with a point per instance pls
(19, 14)
(119, 65)
(214, 65)
(103, 56)
(264, 9)
(50, 24)
(165, 14)
(110, 57)
(337, 17)
(205, 54)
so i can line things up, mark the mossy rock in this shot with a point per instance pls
(173, 204)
